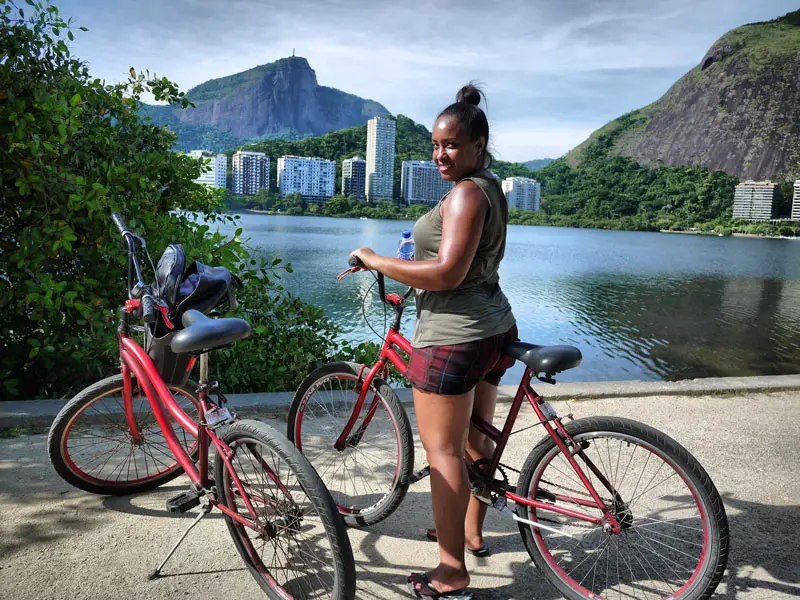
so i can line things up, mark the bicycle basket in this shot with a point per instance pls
(173, 368)
(199, 287)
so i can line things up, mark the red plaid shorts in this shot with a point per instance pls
(456, 369)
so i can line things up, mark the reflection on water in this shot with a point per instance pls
(638, 305)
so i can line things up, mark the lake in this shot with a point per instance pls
(646, 306)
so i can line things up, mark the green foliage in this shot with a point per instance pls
(73, 151)
(613, 192)
(190, 136)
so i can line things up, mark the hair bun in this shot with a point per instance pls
(469, 94)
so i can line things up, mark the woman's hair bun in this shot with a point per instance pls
(469, 94)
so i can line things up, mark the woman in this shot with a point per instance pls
(463, 323)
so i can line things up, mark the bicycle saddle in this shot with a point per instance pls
(201, 333)
(545, 359)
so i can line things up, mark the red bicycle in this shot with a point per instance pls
(607, 507)
(134, 431)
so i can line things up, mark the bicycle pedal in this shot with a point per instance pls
(183, 502)
(420, 475)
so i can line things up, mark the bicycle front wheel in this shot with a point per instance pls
(369, 477)
(91, 447)
(674, 538)
(298, 546)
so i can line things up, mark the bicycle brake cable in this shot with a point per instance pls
(364, 308)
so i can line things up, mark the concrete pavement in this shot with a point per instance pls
(58, 542)
(43, 411)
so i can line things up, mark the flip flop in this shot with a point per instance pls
(426, 590)
(480, 553)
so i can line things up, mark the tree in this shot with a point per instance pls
(337, 205)
(298, 202)
(415, 211)
(74, 150)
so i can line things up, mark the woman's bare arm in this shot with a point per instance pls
(463, 215)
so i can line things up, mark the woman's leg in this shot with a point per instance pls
(443, 423)
(479, 446)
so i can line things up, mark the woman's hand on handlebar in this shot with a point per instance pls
(367, 258)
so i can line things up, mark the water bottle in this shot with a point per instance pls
(405, 249)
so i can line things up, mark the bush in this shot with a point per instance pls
(73, 151)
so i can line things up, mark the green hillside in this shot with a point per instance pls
(737, 111)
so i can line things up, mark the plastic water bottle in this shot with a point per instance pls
(405, 249)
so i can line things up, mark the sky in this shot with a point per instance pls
(553, 70)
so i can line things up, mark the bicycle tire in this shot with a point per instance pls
(64, 441)
(267, 450)
(382, 484)
(643, 535)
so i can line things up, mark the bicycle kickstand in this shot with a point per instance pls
(204, 510)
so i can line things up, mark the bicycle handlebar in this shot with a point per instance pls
(356, 265)
(117, 218)
(136, 285)
(148, 308)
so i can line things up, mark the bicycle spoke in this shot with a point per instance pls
(661, 542)
(100, 444)
(359, 473)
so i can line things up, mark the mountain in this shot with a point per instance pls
(279, 100)
(737, 111)
(535, 165)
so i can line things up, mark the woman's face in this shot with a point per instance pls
(453, 152)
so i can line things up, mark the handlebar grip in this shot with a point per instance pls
(148, 310)
(117, 218)
(354, 261)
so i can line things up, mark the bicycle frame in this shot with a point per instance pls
(389, 354)
(135, 361)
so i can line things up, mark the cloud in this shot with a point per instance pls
(552, 70)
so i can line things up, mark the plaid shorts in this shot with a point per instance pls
(456, 369)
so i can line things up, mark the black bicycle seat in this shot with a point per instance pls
(545, 359)
(201, 333)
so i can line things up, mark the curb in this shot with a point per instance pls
(21, 412)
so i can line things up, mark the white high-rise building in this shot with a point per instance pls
(314, 178)
(421, 182)
(523, 193)
(354, 177)
(380, 158)
(796, 202)
(250, 172)
(754, 201)
(217, 165)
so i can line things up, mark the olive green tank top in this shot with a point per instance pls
(477, 308)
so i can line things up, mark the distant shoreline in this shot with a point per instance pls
(742, 235)
(705, 233)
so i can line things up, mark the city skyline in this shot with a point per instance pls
(553, 73)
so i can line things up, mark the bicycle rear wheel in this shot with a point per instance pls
(91, 447)
(369, 478)
(674, 538)
(299, 546)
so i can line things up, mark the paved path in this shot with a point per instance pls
(57, 542)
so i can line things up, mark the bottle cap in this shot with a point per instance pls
(406, 233)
